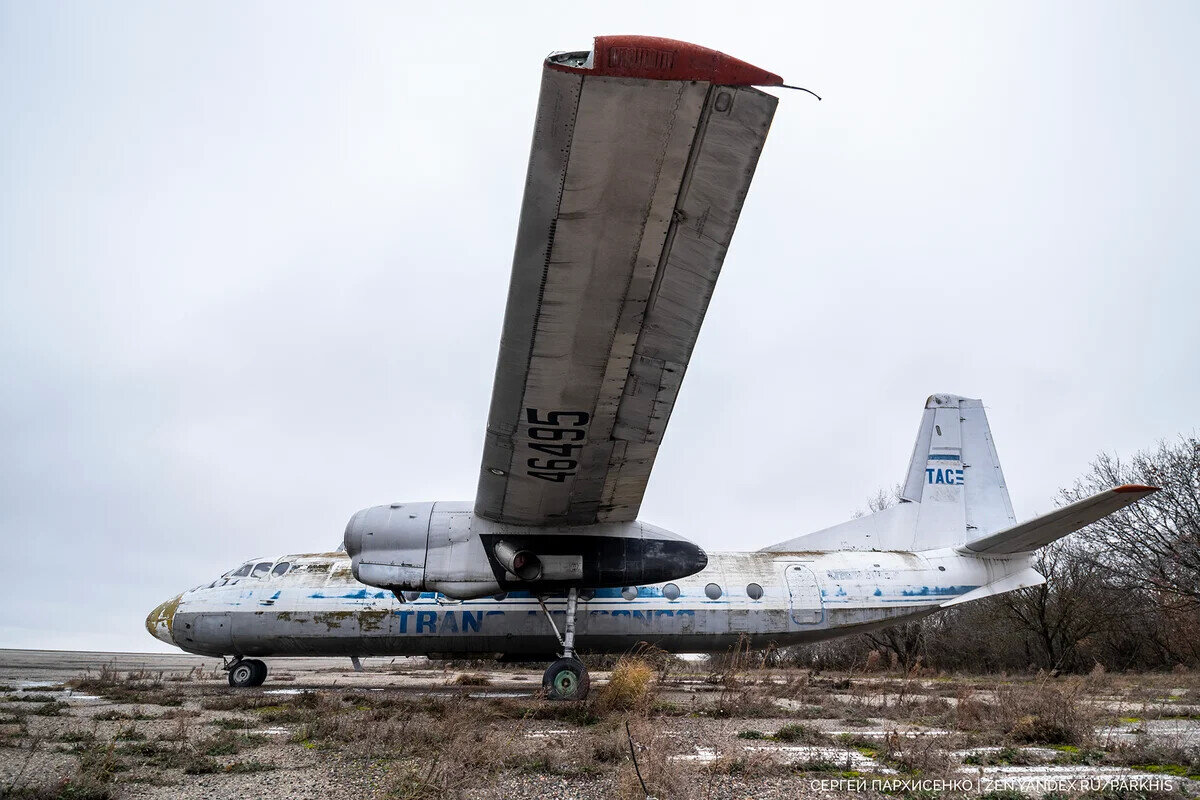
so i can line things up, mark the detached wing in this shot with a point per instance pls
(643, 151)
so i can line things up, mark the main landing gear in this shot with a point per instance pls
(567, 678)
(246, 672)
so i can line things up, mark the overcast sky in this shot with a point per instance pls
(254, 259)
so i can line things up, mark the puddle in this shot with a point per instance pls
(500, 694)
(1181, 731)
(55, 691)
(283, 691)
(79, 696)
(849, 757)
(276, 731)
(703, 755)
(881, 732)
(547, 733)
(1047, 753)
(1051, 778)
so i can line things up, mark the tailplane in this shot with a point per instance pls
(1041, 531)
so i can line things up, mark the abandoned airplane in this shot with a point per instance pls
(643, 151)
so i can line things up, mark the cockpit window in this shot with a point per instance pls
(261, 569)
(242, 571)
(280, 569)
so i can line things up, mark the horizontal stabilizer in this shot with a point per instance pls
(1019, 580)
(1041, 531)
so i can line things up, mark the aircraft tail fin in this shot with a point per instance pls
(1041, 531)
(954, 495)
(955, 475)
(953, 491)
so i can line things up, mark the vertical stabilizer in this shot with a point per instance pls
(955, 475)
(953, 492)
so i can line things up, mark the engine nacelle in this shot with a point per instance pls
(444, 547)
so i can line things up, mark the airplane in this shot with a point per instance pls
(643, 151)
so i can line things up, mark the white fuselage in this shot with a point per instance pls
(317, 608)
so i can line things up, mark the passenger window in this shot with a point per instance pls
(242, 571)
(280, 569)
(261, 569)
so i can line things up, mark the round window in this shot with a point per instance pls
(499, 596)
(587, 594)
(713, 591)
(754, 591)
(629, 593)
(671, 591)
(410, 596)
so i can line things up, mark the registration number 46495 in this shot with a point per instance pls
(557, 436)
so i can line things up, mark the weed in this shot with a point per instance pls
(51, 709)
(234, 723)
(236, 702)
(129, 733)
(796, 732)
(469, 679)
(628, 689)
(201, 765)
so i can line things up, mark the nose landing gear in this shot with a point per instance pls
(567, 678)
(246, 672)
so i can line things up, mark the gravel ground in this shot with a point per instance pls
(142, 726)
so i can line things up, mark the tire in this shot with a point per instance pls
(566, 679)
(260, 672)
(242, 674)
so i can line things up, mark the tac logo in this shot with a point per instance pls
(948, 477)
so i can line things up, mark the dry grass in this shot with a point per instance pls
(450, 744)
(661, 776)
(629, 689)
(137, 687)
(1030, 713)
(471, 679)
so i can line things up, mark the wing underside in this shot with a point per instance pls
(632, 195)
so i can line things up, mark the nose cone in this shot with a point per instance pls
(160, 620)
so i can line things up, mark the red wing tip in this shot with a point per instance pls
(658, 58)
(1130, 488)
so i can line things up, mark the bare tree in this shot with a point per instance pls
(1152, 545)
(906, 640)
(884, 498)
(1072, 607)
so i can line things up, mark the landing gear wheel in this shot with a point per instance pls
(260, 672)
(247, 672)
(566, 679)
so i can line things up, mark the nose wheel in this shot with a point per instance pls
(247, 672)
(567, 678)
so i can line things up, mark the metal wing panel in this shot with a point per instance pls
(633, 191)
